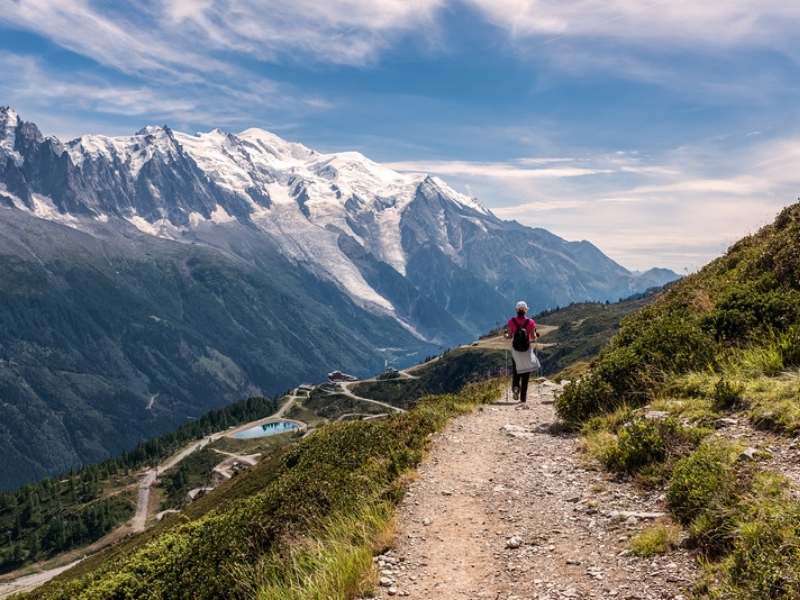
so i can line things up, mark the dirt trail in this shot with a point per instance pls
(32, 581)
(504, 509)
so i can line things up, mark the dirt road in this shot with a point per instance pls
(345, 390)
(504, 509)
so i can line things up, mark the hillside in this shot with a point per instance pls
(337, 486)
(152, 277)
(713, 362)
(660, 457)
(43, 519)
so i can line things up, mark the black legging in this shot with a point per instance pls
(520, 381)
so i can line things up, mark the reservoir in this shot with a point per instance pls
(267, 429)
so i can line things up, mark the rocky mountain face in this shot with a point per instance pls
(150, 277)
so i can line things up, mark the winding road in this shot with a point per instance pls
(346, 391)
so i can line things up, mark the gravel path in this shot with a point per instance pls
(504, 509)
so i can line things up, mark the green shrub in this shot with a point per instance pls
(639, 443)
(702, 493)
(790, 347)
(583, 398)
(650, 345)
(727, 395)
(763, 562)
(643, 442)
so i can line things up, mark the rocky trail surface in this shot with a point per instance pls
(504, 508)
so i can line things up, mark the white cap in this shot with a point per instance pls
(522, 305)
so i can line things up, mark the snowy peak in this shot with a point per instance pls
(399, 245)
(132, 152)
(434, 185)
(8, 133)
(8, 117)
(275, 145)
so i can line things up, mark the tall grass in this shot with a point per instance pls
(334, 562)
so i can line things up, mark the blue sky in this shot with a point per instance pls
(660, 130)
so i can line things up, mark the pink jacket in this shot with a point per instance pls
(516, 322)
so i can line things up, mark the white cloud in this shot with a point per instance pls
(180, 37)
(713, 22)
(45, 95)
(182, 59)
(109, 38)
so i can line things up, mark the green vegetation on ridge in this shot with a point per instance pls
(749, 298)
(583, 329)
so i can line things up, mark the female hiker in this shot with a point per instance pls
(522, 332)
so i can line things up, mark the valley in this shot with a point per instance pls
(665, 469)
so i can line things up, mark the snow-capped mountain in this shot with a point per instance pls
(330, 213)
(148, 278)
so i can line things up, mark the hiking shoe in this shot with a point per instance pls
(515, 393)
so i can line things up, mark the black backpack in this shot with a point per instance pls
(521, 341)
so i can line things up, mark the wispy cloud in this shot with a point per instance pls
(336, 31)
(183, 37)
(193, 60)
(712, 22)
(109, 37)
(518, 169)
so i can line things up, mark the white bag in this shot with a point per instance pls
(526, 362)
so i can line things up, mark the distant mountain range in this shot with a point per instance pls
(148, 278)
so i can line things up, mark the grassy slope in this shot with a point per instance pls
(301, 525)
(725, 340)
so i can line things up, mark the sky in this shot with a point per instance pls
(660, 130)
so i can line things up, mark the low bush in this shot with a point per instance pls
(649, 347)
(657, 539)
(727, 395)
(764, 560)
(703, 491)
(638, 444)
(790, 347)
(773, 403)
(583, 398)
